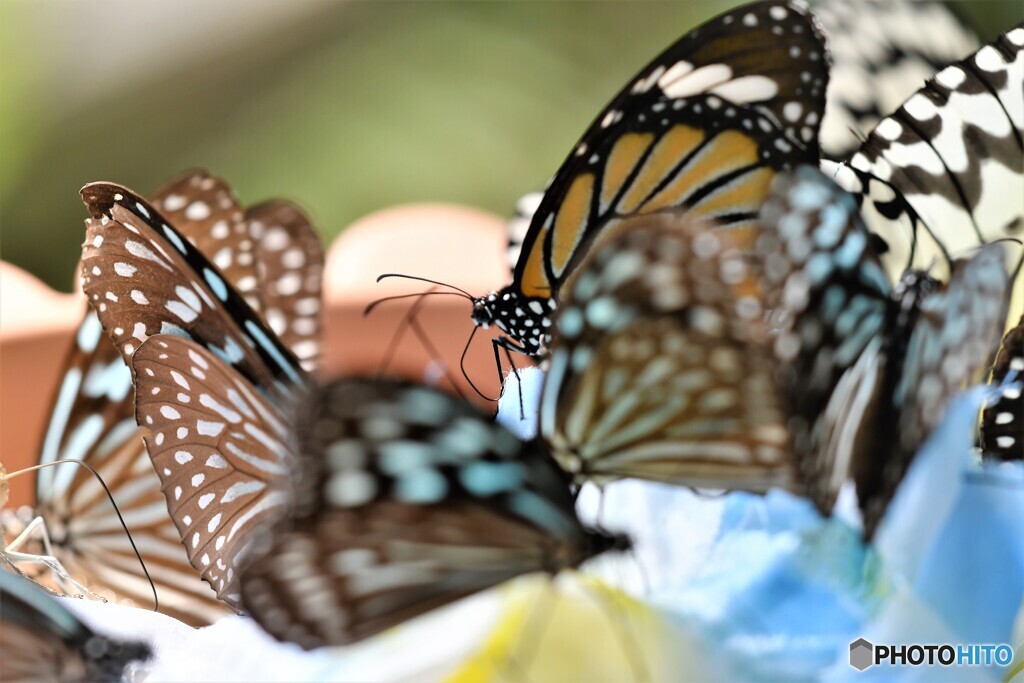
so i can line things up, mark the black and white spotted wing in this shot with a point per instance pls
(40, 640)
(882, 51)
(954, 154)
(407, 500)
(223, 452)
(867, 370)
(1002, 422)
(143, 278)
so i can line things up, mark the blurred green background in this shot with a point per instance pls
(344, 107)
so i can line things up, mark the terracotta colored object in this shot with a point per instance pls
(457, 245)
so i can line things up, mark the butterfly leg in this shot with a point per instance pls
(37, 527)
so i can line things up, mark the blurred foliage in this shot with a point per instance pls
(344, 107)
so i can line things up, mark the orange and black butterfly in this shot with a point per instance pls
(704, 128)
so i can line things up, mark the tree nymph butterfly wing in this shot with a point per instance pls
(867, 370)
(221, 449)
(882, 50)
(659, 367)
(289, 270)
(1002, 422)
(704, 127)
(406, 500)
(934, 177)
(143, 278)
(40, 640)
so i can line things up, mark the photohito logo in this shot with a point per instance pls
(864, 654)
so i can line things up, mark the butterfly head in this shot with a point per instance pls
(603, 541)
(526, 319)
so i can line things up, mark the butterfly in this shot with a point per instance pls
(40, 640)
(93, 418)
(934, 177)
(704, 127)
(866, 369)
(878, 61)
(403, 498)
(1002, 422)
(660, 367)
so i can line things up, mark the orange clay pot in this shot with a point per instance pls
(461, 246)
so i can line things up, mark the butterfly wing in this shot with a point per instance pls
(831, 299)
(143, 278)
(701, 127)
(1002, 423)
(408, 500)
(877, 63)
(954, 151)
(203, 208)
(955, 332)
(658, 370)
(93, 420)
(221, 450)
(289, 269)
(40, 640)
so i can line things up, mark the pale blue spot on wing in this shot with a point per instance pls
(272, 351)
(175, 240)
(423, 487)
(485, 479)
(216, 284)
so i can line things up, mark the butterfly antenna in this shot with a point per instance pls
(117, 511)
(389, 353)
(430, 292)
(462, 366)
(425, 279)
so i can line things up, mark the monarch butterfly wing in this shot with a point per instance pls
(289, 268)
(657, 367)
(222, 452)
(701, 155)
(203, 209)
(954, 152)
(877, 63)
(143, 278)
(41, 640)
(700, 127)
(1002, 423)
(409, 499)
(831, 298)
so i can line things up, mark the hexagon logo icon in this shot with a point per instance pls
(861, 654)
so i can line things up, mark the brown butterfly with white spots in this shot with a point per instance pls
(93, 415)
(1002, 422)
(387, 500)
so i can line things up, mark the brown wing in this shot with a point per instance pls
(290, 264)
(659, 369)
(221, 450)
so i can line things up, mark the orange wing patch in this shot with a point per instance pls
(571, 223)
(673, 147)
(727, 152)
(534, 280)
(621, 162)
